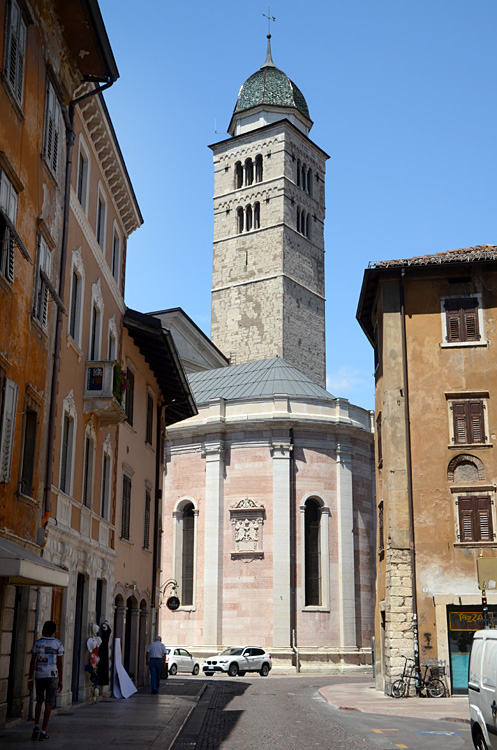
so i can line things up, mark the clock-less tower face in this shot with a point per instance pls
(268, 260)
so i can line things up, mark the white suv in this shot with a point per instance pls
(239, 660)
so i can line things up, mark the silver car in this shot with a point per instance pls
(179, 659)
(237, 660)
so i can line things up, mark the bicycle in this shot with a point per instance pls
(434, 687)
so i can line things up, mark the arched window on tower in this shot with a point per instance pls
(239, 220)
(188, 555)
(248, 218)
(258, 168)
(249, 172)
(303, 176)
(257, 215)
(309, 182)
(308, 225)
(298, 219)
(312, 554)
(238, 175)
(298, 172)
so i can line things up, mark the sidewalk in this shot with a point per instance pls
(353, 696)
(144, 720)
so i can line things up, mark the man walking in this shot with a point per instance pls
(156, 655)
(46, 664)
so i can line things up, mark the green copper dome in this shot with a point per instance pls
(272, 87)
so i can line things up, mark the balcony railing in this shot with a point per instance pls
(104, 392)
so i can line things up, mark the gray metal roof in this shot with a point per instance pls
(253, 380)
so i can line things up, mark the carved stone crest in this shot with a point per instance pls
(247, 521)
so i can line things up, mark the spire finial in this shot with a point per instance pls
(269, 60)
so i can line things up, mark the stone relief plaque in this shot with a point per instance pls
(247, 521)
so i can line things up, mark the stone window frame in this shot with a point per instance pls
(324, 554)
(247, 522)
(177, 515)
(467, 397)
(460, 491)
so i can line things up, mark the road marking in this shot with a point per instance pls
(402, 746)
(380, 731)
(443, 734)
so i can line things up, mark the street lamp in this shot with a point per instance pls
(172, 601)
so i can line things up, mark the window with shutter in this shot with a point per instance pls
(475, 519)
(52, 129)
(126, 507)
(15, 52)
(129, 396)
(105, 497)
(379, 444)
(469, 425)
(28, 452)
(41, 300)
(66, 454)
(462, 319)
(7, 428)
(381, 537)
(88, 472)
(146, 529)
(8, 213)
(150, 419)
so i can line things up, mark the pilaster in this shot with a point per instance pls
(213, 451)
(281, 448)
(346, 562)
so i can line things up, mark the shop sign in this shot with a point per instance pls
(468, 620)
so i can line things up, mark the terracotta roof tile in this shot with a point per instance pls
(468, 255)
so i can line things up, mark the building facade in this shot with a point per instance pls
(268, 509)
(42, 70)
(431, 322)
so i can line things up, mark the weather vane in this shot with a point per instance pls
(269, 19)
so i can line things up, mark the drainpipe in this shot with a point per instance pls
(156, 534)
(409, 474)
(70, 138)
(293, 555)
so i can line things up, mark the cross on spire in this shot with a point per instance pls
(269, 19)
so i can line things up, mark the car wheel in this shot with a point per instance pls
(195, 669)
(241, 674)
(264, 670)
(479, 740)
(233, 669)
(208, 674)
(173, 669)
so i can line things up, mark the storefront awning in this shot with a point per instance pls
(24, 568)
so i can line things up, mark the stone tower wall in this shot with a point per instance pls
(268, 283)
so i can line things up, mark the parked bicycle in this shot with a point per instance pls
(428, 680)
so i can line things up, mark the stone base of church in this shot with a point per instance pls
(311, 660)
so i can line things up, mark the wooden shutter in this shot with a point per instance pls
(477, 431)
(188, 556)
(484, 518)
(462, 319)
(126, 507)
(65, 461)
(129, 396)
(381, 530)
(460, 422)
(105, 487)
(150, 419)
(7, 427)
(74, 303)
(88, 472)
(467, 519)
(146, 529)
(16, 54)
(52, 126)
(44, 264)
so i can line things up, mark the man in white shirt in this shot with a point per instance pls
(46, 664)
(156, 655)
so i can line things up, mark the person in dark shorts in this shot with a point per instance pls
(46, 665)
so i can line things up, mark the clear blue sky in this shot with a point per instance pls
(403, 97)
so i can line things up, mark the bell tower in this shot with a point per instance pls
(269, 205)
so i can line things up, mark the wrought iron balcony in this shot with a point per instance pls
(104, 392)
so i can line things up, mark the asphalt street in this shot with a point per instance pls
(289, 713)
